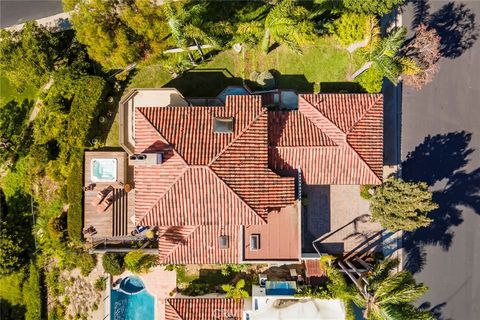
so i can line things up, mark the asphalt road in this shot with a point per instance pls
(18, 11)
(440, 145)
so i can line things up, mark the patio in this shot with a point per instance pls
(114, 220)
(338, 219)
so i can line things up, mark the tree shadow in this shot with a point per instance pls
(439, 160)
(436, 310)
(454, 22)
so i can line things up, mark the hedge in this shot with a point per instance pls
(74, 196)
(32, 294)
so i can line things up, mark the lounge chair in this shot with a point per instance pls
(101, 195)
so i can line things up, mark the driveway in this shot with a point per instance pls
(440, 142)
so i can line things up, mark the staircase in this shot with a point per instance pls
(120, 213)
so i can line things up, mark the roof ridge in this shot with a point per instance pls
(166, 191)
(233, 191)
(363, 161)
(238, 136)
(331, 130)
(160, 134)
(367, 111)
(173, 308)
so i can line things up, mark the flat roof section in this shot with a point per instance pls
(278, 239)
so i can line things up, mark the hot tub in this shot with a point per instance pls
(103, 170)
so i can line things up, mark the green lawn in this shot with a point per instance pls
(8, 92)
(322, 63)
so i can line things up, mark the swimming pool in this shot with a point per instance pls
(131, 301)
(103, 170)
(280, 288)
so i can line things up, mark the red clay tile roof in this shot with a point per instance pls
(207, 178)
(203, 309)
(354, 154)
(198, 245)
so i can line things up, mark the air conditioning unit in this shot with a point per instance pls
(146, 159)
(262, 280)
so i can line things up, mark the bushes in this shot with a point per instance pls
(74, 196)
(138, 261)
(32, 294)
(365, 191)
(350, 28)
(11, 251)
(100, 283)
(11, 287)
(86, 263)
(371, 80)
(113, 263)
(196, 288)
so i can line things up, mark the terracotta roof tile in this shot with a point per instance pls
(190, 129)
(355, 123)
(244, 167)
(203, 309)
(199, 197)
(198, 245)
(292, 129)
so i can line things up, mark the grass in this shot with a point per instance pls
(325, 61)
(8, 92)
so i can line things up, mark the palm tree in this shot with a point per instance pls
(388, 296)
(237, 291)
(384, 56)
(288, 23)
(187, 26)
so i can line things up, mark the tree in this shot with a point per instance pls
(389, 295)
(424, 51)
(352, 27)
(147, 20)
(109, 41)
(27, 56)
(376, 7)
(139, 261)
(11, 250)
(400, 205)
(237, 291)
(113, 263)
(13, 129)
(288, 23)
(187, 26)
(383, 55)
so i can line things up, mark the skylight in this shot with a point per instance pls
(223, 125)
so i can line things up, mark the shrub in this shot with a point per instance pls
(100, 283)
(113, 263)
(228, 269)
(313, 292)
(11, 250)
(54, 283)
(74, 196)
(32, 294)
(139, 261)
(11, 287)
(86, 263)
(365, 191)
(350, 28)
(371, 80)
(197, 288)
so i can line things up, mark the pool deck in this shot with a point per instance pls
(159, 283)
(115, 221)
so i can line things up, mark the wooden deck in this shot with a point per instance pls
(116, 220)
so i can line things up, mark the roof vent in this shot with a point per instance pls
(223, 125)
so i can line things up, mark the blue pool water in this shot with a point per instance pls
(280, 288)
(103, 170)
(132, 301)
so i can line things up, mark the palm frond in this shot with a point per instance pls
(399, 288)
(405, 311)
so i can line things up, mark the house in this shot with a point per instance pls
(226, 185)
